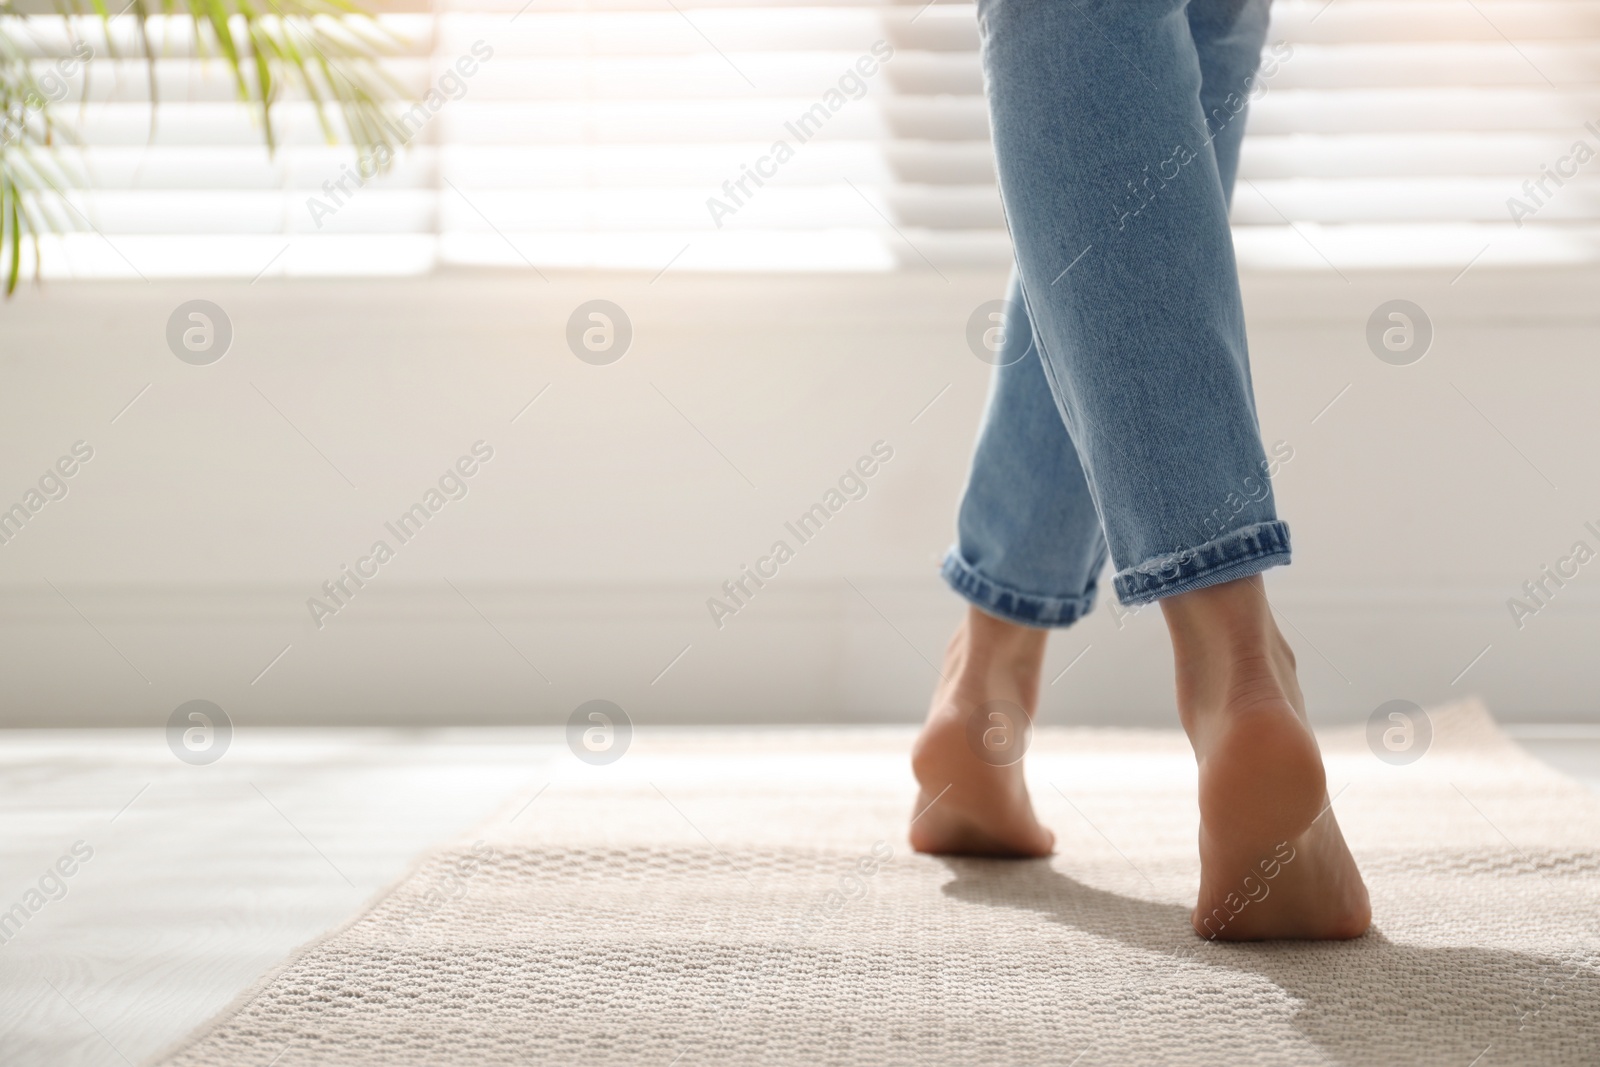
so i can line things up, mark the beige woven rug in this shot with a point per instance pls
(749, 898)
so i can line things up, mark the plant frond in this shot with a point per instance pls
(332, 51)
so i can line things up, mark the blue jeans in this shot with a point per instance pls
(1121, 417)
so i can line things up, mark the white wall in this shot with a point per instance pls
(184, 553)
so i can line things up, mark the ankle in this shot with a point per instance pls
(985, 647)
(1232, 620)
(1228, 652)
(1233, 610)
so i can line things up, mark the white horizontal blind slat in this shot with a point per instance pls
(1392, 132)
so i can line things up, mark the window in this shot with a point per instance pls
(643, 134)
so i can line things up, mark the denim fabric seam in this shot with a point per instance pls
(1014, 605)
(1236, 554)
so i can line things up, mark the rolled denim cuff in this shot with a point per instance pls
(1013, 605)
(1236, 554)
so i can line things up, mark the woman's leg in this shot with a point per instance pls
(1118, 214)
(1238, 696)
(1028, 541)
(1117, 128)
(1028, 553)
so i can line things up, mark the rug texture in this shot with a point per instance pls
(749, 898)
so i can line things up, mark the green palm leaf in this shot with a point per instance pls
(330, 51)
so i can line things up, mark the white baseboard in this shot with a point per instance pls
(427, 653)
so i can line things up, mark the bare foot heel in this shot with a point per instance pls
(970, 805)
(1273, 863)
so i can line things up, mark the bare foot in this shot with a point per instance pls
(970, 805)
(1272, 861)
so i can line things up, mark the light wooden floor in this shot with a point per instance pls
(203, 878)
(211, 874)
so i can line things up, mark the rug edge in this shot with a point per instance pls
(244, 998)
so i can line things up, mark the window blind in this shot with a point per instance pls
(644, 135)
